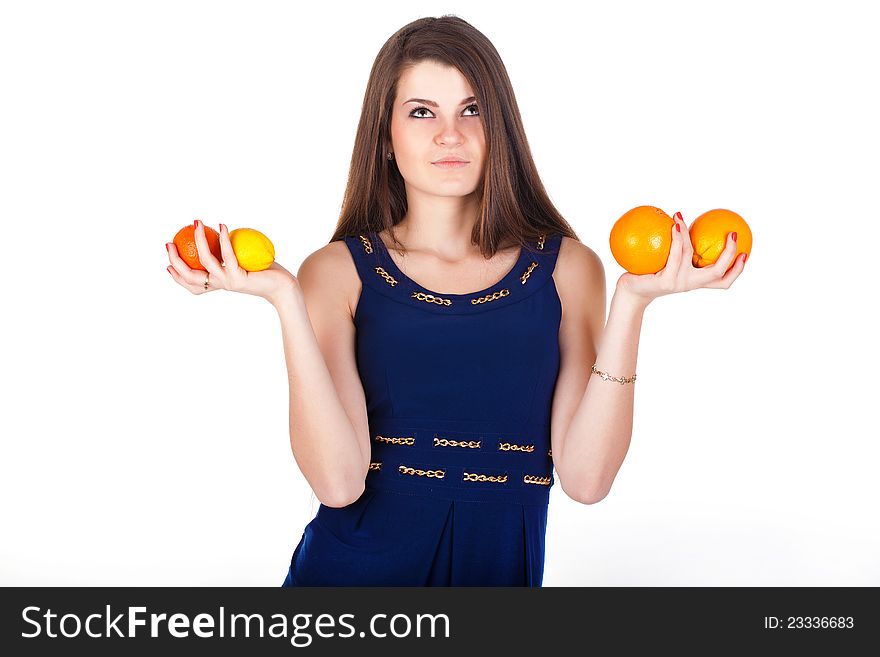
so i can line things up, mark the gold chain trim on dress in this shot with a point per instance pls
(473, 444)
(549, 452)
(367, 246)
(534, 479)
(439, 474)
(491, 297)
(440, 301)
(376, 465)
(500, 479)
(404, 440)
(388, 277)
(528, 273)
(507, 447)
(430, 298)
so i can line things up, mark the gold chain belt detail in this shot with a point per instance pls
(508, 447)
(407, 440)
(439, 474)
(474, 444)
(500, 479)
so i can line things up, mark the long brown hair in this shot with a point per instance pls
(514, 206)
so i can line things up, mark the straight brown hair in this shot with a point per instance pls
(514, 206)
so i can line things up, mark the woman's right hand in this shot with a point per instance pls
(271, 283)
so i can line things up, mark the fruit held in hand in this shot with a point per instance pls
(185, 242)
(709, 235)
(253, 250)
(641, 239)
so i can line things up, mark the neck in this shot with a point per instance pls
(441, 225)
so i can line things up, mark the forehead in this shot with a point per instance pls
(435, 81)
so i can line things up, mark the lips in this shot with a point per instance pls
(451, 164)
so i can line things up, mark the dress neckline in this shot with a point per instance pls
(512, 273)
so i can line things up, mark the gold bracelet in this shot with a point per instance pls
(607, 377)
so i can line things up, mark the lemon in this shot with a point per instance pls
(253, 250)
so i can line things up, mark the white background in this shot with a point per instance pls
(145, 430)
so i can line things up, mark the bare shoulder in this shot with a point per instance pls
(578, 269)
(580, 279)
(329, 274)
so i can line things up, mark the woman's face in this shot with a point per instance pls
(444, 122)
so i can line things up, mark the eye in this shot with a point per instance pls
(420, 108)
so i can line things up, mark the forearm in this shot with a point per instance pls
(322, 436)
(598, 436)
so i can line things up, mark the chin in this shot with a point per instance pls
(454, 190)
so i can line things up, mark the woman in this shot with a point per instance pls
(448, 350)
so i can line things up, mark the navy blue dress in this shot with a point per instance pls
(458, 391)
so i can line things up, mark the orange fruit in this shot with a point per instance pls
(641, 239)
(185, 241)
(709, 233)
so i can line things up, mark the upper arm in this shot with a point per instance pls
(331, 287)
(580, 283)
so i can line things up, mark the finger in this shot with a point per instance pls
(207, 258)
(687, 249)
(673, 262)
(187, 275)
(727, 280)
(195, 289)
(230, 262)
(718, 269)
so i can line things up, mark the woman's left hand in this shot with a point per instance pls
(679, 274)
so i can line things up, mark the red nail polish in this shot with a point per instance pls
(196, 223)
(678, 227)
(678, 215)
(222, 228)
(733, 237)
(167, 247)
(745, 257)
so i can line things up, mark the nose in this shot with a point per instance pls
(449, 134)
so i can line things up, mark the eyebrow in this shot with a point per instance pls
(432, 103)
